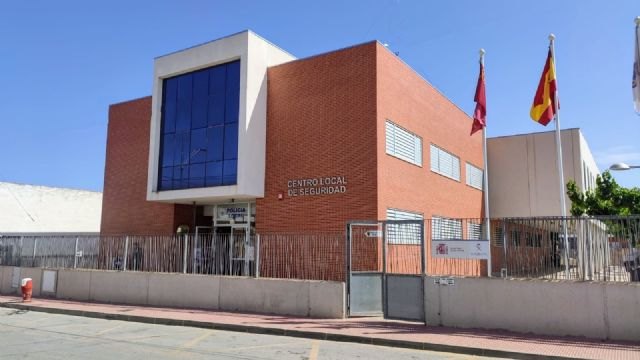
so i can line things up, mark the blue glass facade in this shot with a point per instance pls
(199, 136)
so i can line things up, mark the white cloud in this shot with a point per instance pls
(621, 153)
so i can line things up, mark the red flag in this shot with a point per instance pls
(544, 103)
(480, 113)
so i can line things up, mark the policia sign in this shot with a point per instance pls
(329, 185)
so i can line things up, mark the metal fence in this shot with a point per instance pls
(53, 251)
(597, 248)
(296, 256)
(319, 256)
(601, 248)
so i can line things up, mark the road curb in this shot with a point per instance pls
(416, 345)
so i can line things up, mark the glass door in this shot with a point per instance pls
(239, 238)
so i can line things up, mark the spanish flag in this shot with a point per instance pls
(544, 103)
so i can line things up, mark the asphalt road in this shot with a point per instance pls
(36, 335)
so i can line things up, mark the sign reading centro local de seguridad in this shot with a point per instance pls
(326, 185)
(460, 249)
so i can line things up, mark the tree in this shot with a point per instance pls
(608, 198)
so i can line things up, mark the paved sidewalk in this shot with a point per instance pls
(361, 330)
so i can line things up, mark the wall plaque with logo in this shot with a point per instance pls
(318, 186)
(460, 249)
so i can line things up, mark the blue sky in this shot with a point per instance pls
(64, 62)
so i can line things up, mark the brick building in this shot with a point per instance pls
(239, 137)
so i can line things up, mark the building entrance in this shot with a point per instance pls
(385, 267)
(233, 239)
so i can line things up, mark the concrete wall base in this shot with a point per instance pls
(319, 299)
(596, 310)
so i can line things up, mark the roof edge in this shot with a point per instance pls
(533, 133)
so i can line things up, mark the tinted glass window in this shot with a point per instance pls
(231, 141)
(213, 173)
(199, 145)
(169, 106)
(229, 172)
(199, 113)
(196, 175)
(198, 152)
(216, 110)
(215, 136)
(168, 150)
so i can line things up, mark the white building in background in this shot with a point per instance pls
(523, 172)
(42, 209)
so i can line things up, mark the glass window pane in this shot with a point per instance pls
(182, 149)
(169, 117)
(166, 178)
(198, 153)
(169, 105)
(233, 74)
(231, 141)
(177, 149)
(183, 118)
(185, 87)
(230, 172)
(200, 84)
(216, 109)
(217, 78)
(214, 143)
(232, 107)
(199, 113)
(196, 175)
(214, 173)
(170, 88)
(168, 149)
(180, 177)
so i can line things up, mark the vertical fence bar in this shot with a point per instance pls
(33, 256)
(384, 268)
(423, 251)
(504, 249)
(257, 255)
(348, 268)
(184, 254)
(20, 251)
(126, 250)
(231, 241)
(245, 254)
(75, 254)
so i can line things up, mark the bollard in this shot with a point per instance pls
(27, 289)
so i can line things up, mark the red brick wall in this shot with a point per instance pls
(409, 101)
(321, 122)
(325, 117)
(405, 98)
(125, 209)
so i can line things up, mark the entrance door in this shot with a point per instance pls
(203, 255)
(365, 275)
(385, 269)
(242, 252)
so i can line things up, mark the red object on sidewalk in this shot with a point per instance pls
(27, 289)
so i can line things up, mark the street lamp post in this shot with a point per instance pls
(622, 166)
(632, 260)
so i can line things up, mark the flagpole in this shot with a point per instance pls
(485, 189)
(637, 59)
(563, 204)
